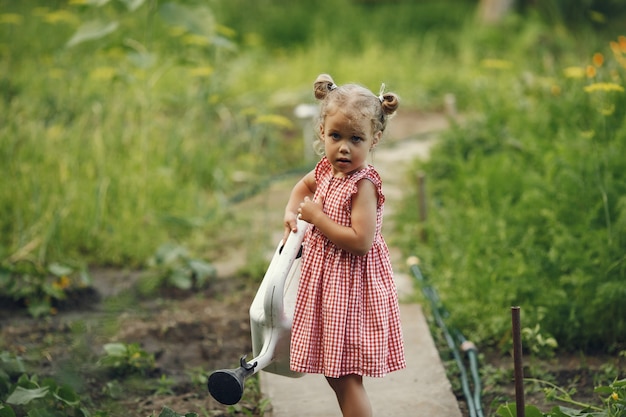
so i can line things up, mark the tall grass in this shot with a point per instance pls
(527, 201)
(116, 145)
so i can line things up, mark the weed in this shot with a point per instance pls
(171, 266)
(126, 359)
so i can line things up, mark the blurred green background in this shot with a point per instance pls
(126, 124)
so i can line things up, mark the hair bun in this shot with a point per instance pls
(323, 85)
(390, 103)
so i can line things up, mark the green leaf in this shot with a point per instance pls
(44, 412)
(168, 412)
(97, 3)
(169, 253)
(11, 364)
(133, 5)
(506, 410)
(67, 395)
(603, 390)
(180, 278)
(510, 410)
(198, 20)
(116, 349)
(6, 411)
(92, 30)
(23, 396)
(202, 270)
(38, 307)
(532, 411)
(59, 270)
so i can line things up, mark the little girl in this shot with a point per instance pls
(346, 322)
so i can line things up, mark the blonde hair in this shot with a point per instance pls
(355, 101)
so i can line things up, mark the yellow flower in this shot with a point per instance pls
(62, 283)
(615, 396)
(11, 18)
(555, 90)
(604, 87)
(574, 72)
(591, 71)
(598, 59)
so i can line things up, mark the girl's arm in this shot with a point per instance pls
(356, 239)
(304, 188)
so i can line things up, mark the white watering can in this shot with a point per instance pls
(271, 315)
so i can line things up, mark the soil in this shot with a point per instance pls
(192, 333)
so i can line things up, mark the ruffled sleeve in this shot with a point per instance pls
(372, 175)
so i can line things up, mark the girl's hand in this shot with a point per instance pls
(310, 209)
(291, 224)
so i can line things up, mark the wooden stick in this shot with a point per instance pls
(517, 362)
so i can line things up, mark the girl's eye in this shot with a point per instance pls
(356, 139)
(335, 135)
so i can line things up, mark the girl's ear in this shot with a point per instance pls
(376, 138)
(322, 131)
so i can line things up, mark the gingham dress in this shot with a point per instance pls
(347, 318)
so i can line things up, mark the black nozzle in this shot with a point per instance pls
(226, 385)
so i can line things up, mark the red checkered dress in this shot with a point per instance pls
(347, 318)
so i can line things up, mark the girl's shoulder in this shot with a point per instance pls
(323, 168)
(369, 173)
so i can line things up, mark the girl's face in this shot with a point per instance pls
(347, 142)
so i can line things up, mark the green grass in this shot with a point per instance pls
(527, 206)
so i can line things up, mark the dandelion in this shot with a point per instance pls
(614, 396)
(607, 87)
(591, 71)
(598, 59)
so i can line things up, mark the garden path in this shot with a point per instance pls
(422, 388)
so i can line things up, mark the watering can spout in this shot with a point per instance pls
(226, 385)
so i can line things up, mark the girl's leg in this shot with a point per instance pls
(351, 395)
